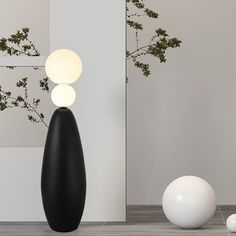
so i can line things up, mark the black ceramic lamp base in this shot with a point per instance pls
(63, 180)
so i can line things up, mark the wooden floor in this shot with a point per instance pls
(141, 221)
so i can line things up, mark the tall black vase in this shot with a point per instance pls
(63, 180)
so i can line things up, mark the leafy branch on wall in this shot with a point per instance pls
(157, 44)
(16, 45)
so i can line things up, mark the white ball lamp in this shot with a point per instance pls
(63, 95)
(189, 202)
(63, 66)
(231, 223)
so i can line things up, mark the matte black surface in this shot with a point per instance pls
(63, 180)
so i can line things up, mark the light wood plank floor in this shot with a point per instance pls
(141, 221)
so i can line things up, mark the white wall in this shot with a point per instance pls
(182, 120)
(95, 30)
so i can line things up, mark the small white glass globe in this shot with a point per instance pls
(63, 95)
(189, 202)
(231, 223)
(63, 66)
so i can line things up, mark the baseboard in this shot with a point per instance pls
(154, 213)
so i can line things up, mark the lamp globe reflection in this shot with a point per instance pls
(63, 66)
(63, 95)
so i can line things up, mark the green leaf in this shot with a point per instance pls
(150, 13)
(138, 3)
(144, 68)
(135, 25)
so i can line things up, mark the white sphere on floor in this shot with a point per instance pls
(189, 202)
(231, 223)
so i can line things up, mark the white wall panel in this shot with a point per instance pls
(182, 119)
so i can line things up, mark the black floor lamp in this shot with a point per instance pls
(63, 180)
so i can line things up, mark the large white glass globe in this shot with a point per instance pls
(63, 66)
(63, 95)
(189, 202)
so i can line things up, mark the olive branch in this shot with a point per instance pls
(156, 46)
(19, 44)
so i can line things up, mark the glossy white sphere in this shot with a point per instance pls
(231, 223)
(189, 202)
(63, 66)
(63, 95)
